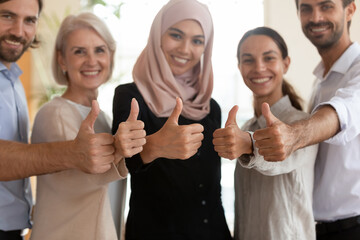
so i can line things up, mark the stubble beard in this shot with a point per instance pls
(12, 55)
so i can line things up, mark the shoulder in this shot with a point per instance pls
(214, 106)
(127, 89)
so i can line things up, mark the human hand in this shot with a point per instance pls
(93, 153)
(130, 136)
(276, 141)
(174, 141)
(231, 142)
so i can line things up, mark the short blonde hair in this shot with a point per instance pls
(72, 23)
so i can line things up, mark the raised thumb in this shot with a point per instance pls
(89, 121)
(174, 117)
(232, 116)
(266, 112)
(134, 111)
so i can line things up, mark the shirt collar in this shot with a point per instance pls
(341, 65)
(14, 69)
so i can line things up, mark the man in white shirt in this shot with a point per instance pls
(334, 123)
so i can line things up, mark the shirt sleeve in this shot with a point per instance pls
(294, 161)
(346, 104)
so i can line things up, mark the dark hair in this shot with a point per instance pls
(345, 4)
(36, 42)
(287, 89)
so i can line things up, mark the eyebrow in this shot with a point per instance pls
(181, 32)
(265, 53)
(79, 47)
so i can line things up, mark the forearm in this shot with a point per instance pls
(18, 160)
(322, 125)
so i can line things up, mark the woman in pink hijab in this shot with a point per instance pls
(175, 180)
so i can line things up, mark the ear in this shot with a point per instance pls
(350, 11)
(286, 62)
(60, 60)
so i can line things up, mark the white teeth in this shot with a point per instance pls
(12, 42)
(180, 60)
(260, 80)
(318, 29)
(91, 73)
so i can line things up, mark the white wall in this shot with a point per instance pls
(282, 16)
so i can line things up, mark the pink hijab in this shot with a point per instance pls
(152, 74)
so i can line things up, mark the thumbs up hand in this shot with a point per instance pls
(130, 136)
(93, 153)
(173, 141)
(231, 142)
(275, 142)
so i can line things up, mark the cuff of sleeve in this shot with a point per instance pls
(248, 160)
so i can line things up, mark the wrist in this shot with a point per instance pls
(148, 154)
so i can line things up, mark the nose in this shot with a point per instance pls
(91, 59)
(260, 66)
(316, 16)
(17, 29)
(184, 47)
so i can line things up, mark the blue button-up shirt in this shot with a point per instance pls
(15, 196)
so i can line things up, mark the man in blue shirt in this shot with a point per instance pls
(89, 152)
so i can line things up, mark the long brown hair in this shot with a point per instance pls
(287, 89)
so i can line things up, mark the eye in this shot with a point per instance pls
(198, 41)
(269, 58)
(100, 50)
(305, 9)
(31, 20)
(326, 7)
(175, 35)
(6, 16)
(247, 60)
(79, 51)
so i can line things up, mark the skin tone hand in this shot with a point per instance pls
(130, 136)
(173, 141)
(275, 142)
(231, 142)
(279, 140)
(96, 151)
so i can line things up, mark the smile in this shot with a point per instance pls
(12, 42)
(92, 73)
(317, 30)
(260, 80)
(180, 60)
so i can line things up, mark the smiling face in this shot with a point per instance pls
(324, 23)
(183, 45)
(18, 21)
(86, 60)
(262, 67)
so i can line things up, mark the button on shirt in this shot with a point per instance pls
(337, 169)
(15, 196)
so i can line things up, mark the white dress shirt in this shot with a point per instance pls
(273, 200)
(337, 169)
